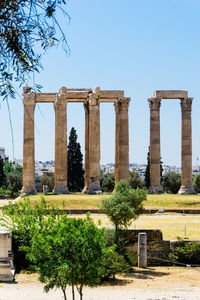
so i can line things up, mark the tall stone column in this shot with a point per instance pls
(60, 106)
(29, 143)
(86, 107)
(186, 149)
(121, 139)
(94, 144)
(154, 104)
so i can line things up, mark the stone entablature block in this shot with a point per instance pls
(170, 94)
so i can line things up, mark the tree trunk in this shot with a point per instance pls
(81, 292)
(64, 293)
(73, 295)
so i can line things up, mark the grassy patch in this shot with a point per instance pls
(172, 201)
(71, 201)
(80, 201)
(171, 225)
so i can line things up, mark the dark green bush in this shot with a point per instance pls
(186, 252)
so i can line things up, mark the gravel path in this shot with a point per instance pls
(159, 283)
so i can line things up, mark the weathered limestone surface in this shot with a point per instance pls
(91, 100)
(94, 143)
(86, 107)
(173, 94)
(29, 145)
(186, 149)
(121, 139)
(154, 104)
(60, 106)
(6, 272)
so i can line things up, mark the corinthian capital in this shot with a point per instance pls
(122, 104)
(154, 103)
(186, 104)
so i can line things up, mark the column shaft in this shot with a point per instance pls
(121, 140)
(86, 107)
(186, 148)
(94, 145)
(154, 104)
(29, 143)
(60, 179)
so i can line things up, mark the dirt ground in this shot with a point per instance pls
(154, 283)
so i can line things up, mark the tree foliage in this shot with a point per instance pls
(135, 181)
(14, 182)
(196, 183)
(49, 181)
(75, 163)
(27, 29)
(65, 251)
(124, 205)
(172, 182)
(108, 182)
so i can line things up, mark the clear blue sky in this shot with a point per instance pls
(136, 46)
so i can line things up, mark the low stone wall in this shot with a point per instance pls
(157, 249)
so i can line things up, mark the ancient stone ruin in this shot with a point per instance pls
(186, 140)
(91, 100)
(6, 257)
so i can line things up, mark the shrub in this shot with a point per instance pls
(108, 182)
(14, 181)
(186, 252)
(196, 183)
(135, 181)
(172, 182)
(49, 181)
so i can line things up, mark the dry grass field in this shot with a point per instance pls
(80, 201)
(171, 225)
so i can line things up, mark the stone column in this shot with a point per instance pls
(154, 104)
(121, 139)
(86, 107)
(60, 106)
(94, 143)
(29, 143)
(186, 149)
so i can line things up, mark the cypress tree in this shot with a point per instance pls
(147, 171)
(75, 164)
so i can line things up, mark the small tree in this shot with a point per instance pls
(14, 181)
(48, 180)
(108, 182)
(75, 164)
(172, 182)
(8, 167)
(135, 181)
(124, 205)
(196, 183)
(147, 179)
(64, 250)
